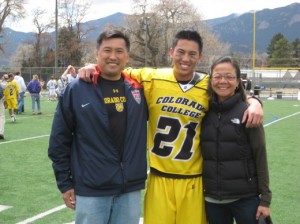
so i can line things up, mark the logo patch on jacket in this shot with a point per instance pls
(235, 121)
(137, 96)
(119, 107)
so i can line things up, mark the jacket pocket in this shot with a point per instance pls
(101, 175)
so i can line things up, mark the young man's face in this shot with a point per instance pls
(112, 56)
(185, 58)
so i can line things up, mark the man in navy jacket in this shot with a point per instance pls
(98, 139)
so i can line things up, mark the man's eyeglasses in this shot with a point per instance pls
(228, 77)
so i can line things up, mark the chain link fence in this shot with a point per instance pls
(281, 83)
(278, 84)
(44, 73)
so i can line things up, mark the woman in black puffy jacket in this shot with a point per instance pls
(235, 170)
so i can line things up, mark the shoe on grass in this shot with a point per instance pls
(13, 119)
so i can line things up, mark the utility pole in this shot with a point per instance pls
(146, 19)
(254, 41)
(56, 37)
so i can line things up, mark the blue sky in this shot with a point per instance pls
(208, 9)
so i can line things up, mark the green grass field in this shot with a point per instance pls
(27, 182)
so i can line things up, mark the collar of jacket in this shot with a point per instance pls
(227, 104)
(132, 82)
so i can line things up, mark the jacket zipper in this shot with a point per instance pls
(122, 171)
(217, 151)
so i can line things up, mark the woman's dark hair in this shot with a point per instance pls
(227, 59)
(234, 63)
(109, 34)
(188, 35)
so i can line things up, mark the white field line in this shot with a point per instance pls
(141, 221)
(24, 139)
(27, 116)
(39, 216)
(4, 207)
(280, 119)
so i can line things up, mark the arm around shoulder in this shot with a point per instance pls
(253, 116)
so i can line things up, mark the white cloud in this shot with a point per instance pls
(218, 8)
(100, 8)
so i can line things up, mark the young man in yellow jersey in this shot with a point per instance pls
(177, 102)
(11, 95)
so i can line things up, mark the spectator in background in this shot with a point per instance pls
(22, 89)
(42, 82)
(34, 88)
(51, 85)
(69, 75)
(3, 85)
(11, 94)
(247, 83)
(59, 88)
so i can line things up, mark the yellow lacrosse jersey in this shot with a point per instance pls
(11, 90)
(175, 115)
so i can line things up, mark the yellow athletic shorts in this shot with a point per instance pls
(174, 201)
(12, 103)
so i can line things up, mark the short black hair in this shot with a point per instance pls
(109, 34)
(188, 35)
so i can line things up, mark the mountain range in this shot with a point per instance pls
(238, 29)
(235, 29)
